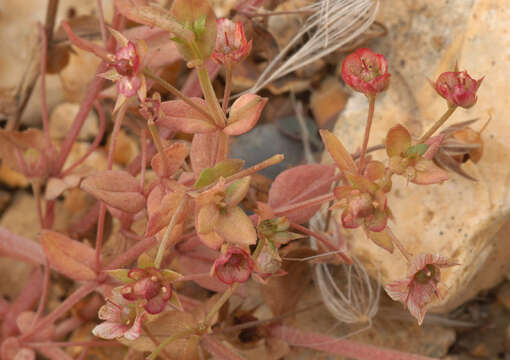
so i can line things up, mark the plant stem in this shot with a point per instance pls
(176, 336)
(61, 309)
(95, 144)
(228, 86)
(323, 240)
(44, 105)
(217, 306)
(156, 342)
(305, 204)
(157, 142)
(36, 188)
(371, 107)
(210, 96)
(102, 209)
(335, 346)
(175, 92)
(437, 124)
(171, 225)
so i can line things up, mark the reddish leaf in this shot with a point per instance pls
(159, 218)
(20, 248)
(117, 189)
(181, 116)
(175, 155)
(338, 152)
(69, 256)
(203, 151)
(299, 184)
(244, 114)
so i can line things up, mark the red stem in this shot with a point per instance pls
(323, 240)
(132, 253)
(90, 96)
(347, 348)
(304, 204)
(44, 105)
(74, 343)
(61, 309)
(102, 26)
(143, 145)
(44, 295)
(363, 152)
(102, 209)
(95, 144)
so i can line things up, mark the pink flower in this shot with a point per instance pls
(125, 69)
(122, 318)
(150, 285)
(231, 45)
(458, 88)
(235, 265)
(417, 290)
(366, 72)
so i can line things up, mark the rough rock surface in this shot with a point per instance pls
(464, 220)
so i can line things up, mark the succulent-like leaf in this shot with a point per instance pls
(167, 208)
(116, 188)
(181, 116)
(398, 140)
(235, 227)
(175, 155)
(338, 152)
(69, 256)
(244, 114)
(237, 191)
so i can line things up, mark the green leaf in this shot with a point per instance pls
(417, 150)
(198, 16)
(199, 27)
(224, 169)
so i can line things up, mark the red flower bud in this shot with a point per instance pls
(366, 72)
(231, 45)
(458, 88)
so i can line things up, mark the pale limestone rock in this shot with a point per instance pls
(466, 221)
(62, 118)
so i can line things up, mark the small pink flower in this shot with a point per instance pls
(231, 45)
(125, 69)
(458, 88)
(151, 286)
(366, 72)
(417, 290)
(235, 265)
(122, 318)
